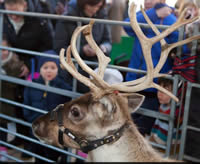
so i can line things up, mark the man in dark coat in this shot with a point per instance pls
(29, 33)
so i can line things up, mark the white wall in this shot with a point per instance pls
(171, 2)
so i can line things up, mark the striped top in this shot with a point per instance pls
(160, 128)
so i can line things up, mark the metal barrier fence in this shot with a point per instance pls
(74, 94)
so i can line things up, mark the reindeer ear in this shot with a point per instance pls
(135, 101)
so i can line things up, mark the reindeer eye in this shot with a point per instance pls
(75, 112)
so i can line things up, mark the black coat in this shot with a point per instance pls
(34, 35)
(44, 100)
(64, 30)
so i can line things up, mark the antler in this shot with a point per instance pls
(97, 85)
(166, 48)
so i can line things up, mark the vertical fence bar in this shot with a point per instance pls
(180, 37)
(171, 118)
(181, 102)
(1, 32)
(185, 120)
(69, 158)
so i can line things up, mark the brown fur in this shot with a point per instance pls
(96, 121)
(13, 66)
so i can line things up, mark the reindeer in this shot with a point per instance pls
(99, 122)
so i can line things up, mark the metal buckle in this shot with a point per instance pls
(62, 128)
(107, 139)
(83, 143)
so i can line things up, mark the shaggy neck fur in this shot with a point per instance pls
(129, 148)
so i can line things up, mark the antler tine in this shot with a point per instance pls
(180, 22)
(69, 66)
(163, 42)
(134, 25)
(166, 48)
(181, 6)
(164, 45)
(146, 47)
(163, 56)
(103, 60)
(96, 79)
(154, 85)
(147, 81)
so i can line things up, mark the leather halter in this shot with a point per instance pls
(84, 144)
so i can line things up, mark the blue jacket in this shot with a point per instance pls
(43, 100)
(137, 59)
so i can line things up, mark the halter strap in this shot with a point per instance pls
(85, 145)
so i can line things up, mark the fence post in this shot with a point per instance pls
(1, 32)
(171, 118)
(185, 120)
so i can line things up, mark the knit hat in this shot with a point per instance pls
(44, 59)
(112, 76)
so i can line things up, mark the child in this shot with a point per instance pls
(45, 100)
(160, 128)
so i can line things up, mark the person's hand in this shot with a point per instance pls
(191, 12)
(88, 51)
(172, 55)
(24, 70)
(163, 12)
(59, 8)
(109, 2)
(103, 48)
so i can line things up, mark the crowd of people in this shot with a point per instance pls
(50, 35)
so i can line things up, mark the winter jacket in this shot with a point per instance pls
(65, 29)
(35, 35)
(43, 100)
(137, 59)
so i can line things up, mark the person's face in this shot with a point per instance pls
(150, 3)
(164, 98)
(92, 10)
(162, 1)
(49, 71)
(5, 53)
(21, 7)
(191, 12)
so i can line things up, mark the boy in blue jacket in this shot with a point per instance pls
(159, 13)
(45, 100)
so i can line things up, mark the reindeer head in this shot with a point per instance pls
(100, 116)
(86, 119)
